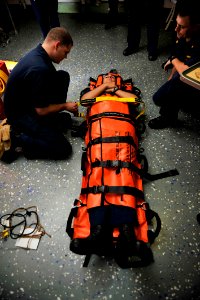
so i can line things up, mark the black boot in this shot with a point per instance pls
(127, 240)
(98, 242)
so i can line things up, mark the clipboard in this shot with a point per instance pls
(191, 76)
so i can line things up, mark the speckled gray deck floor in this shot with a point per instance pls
(52, 271)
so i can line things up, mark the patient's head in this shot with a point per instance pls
(109, 78)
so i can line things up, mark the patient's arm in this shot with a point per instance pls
(124, 94)
(106, 88)
(98, 91)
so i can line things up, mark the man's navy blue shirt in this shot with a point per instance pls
(30, 84)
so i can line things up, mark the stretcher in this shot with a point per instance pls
(113, 169)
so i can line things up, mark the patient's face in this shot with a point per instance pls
(108, 78)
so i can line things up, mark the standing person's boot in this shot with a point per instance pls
(163, 122)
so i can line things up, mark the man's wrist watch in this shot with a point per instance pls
(114, 90)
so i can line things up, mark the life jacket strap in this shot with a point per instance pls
(112, 115)
(117, 164)
(113, 139)
(119, 190)
(152, 177)
(124, 164)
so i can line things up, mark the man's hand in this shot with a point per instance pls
(110, 86)
(168, 65)
(54, 108)
(72, 107)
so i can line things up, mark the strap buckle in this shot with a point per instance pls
(76, 201)
(100, 189)
(144, 205)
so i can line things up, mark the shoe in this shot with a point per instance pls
(128, 51)
(79, 246)
(15, 150)
(160, 123)
(79, 130)
(127, 233)
(127, 240)
(10, 156)
(141, 256)
(152, 57)
(98, 242)
(110, 25)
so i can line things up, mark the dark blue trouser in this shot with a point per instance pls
(113, 6)
(39, 140)
(46, 12)
(148, 11)
(174, 95)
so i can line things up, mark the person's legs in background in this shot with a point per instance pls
(53, 13)
(112, 17)
(133, 9)
(46, 13)
(154, 12)
(41, 14)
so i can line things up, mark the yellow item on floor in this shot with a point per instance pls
(10, 64)
(5, 141)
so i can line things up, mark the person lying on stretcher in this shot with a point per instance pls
(108, 86)
(112, 209)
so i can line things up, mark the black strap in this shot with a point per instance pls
(125, 117)
(141, 172)
(117, 164)
(151, 177)
(69, 228)
(87, 260)
(153, 234)
(113, 139)
(120, 190)
(83, 162)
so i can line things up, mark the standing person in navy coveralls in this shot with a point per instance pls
(138, 12)
(46, 12)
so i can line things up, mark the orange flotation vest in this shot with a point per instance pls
(113, 173)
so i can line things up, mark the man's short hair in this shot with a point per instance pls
(60, 34)
(189, 8)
